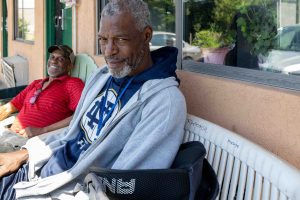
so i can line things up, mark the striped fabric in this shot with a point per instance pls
(56, 102)
(7, 183)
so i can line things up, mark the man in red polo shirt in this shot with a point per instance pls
(46, 104)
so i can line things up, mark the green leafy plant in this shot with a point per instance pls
(220, 33)
(207, 39)
(212, 39)
(258, 26)
(224, 14)
(23, 28)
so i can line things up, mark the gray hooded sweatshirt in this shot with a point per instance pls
(145, 134)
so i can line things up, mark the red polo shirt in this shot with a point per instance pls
(56, 102)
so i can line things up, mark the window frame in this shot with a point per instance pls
(99, 5)
(16, 29)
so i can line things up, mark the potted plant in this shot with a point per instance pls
(257, 24)
(216, 41)
(214, 44)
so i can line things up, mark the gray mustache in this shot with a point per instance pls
(114, 59)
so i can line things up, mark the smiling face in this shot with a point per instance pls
(125, 48)
(58, 65)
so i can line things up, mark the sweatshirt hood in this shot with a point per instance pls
(164, 65)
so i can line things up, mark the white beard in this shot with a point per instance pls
(126, 70)
(52, 67)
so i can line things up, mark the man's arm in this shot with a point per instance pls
(33, 131)
(12, 161)
(6, 110)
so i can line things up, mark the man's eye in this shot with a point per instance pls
(102, 40)
(121, 41)
(61, 59)
(58, 58)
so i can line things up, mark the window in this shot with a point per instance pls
(261, 35)
(24, 20)
(158, 40)
(256, 34)
(162, 14)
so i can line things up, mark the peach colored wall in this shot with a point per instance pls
(86, 30)
(268, 116)
(34, 53)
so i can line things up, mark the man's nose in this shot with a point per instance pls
(110, 48)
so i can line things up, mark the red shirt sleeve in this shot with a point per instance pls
(18, 101)
(74, 88)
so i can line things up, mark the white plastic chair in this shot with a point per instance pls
(83, 67)
(244, 169)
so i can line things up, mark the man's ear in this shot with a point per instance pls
(148, 34)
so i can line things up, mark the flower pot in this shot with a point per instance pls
(215, 55)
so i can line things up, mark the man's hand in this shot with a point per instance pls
(12, 161)
(3, 112)
(6, 110)
(30, 132)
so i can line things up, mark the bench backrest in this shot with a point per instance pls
(244, 169)
(84, 65)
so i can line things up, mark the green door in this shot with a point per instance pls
(58, 24)
(4, 29)
(67, 29)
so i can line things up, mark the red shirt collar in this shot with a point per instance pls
(61, 78)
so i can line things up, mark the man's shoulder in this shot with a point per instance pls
(74, 80)
(161, 90)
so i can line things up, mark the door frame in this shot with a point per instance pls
(50, 27)
(4, 47)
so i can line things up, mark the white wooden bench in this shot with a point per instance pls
(244, 169)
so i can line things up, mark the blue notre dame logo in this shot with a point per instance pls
(90, 120)
(94, 114)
